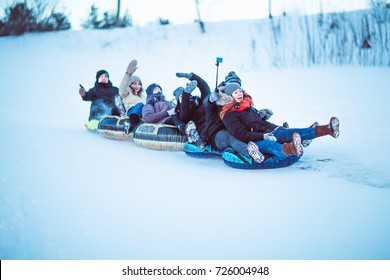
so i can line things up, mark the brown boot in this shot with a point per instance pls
(294, 147)
(331, 129)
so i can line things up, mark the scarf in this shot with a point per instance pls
(243, 105)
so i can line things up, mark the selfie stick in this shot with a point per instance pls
(219, 59)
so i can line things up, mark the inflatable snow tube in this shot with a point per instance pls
(194, 151)
(159, 137)
(113, 127)
(236, 160)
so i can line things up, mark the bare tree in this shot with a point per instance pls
(118, 12)
(269, 9)
(201, 23)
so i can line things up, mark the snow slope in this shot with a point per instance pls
(66, 193)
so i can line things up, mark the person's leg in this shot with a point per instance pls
(193, 135)
(119, 105)
(285, 135)
(136, 109)
(272, 148)
(223, 139)
(135, 113)
(332, 129)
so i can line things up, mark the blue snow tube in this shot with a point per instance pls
(193, 151)
(236, 160)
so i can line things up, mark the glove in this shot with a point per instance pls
(81, 91)
(269, 136)
(265, 114)
(214, 96)
(171, 112)
(191, 86)
(132, 67)
(184, 75)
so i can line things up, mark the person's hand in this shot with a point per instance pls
(265, 114)
(132, 67)
(214, 96)
(171, 112)
(81, 91)
(269, 136)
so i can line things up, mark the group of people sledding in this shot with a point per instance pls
(215, 120)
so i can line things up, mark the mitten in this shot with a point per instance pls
(265, 114)
(214, 96)
(269, 136)
(191, 86)
(81, 91)
(184, 75)
(132, 67)
(171, 112)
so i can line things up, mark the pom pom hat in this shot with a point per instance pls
(231, 87)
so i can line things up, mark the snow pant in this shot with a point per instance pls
(285, 135)
(136, 109)
(268, 147)
(223, 139)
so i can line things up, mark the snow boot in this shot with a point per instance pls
(119, 105)
(193, 136)
(253, 151)
(191, 86)
(184, 75)
(306, 143)
(294, 147)
(134, 119)
(127, 126)
(331, 129)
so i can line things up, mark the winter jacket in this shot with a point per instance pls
(213, 121)
(102, 97)
(155, 109)
(246, 124)
(129, 99)
(193, 108)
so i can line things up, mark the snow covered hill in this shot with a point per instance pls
(66, 193)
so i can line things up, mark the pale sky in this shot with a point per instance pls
(184, 11)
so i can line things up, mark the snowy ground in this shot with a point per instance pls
(66, 193)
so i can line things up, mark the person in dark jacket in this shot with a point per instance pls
(104, 96)
(243, 121)
(190, 109)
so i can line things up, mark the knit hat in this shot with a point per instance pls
(232, 78)
(101, 72)
(134, 79)
(231, 87)
(177, 92)
(150, 88)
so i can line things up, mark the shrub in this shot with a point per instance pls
(20, 18)
(109, 20)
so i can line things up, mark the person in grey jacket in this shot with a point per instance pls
(156, 109)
